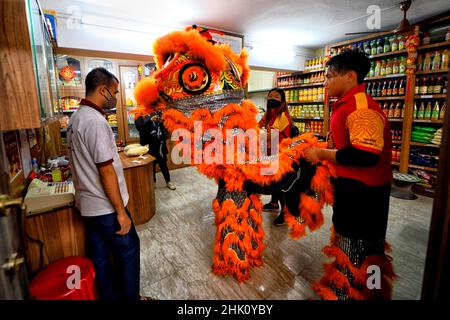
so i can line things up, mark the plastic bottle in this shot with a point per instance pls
(435, 112)
(436, 61)
(427, 113)
(421, 112)
(35, 165)
(401, 88)
(427, 62)
(442, 112)
(444, 59)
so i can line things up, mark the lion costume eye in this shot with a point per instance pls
(194, 78)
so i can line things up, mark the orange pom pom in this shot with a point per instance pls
(146, 92)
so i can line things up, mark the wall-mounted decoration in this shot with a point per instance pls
(67, 73)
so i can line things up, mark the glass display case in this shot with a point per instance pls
(129, 77)
(44, 60)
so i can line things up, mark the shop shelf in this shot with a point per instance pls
(414, 166)
(305, 102)
(423, 191)
(307, 119)
(420, 144)
(389, 98)
(435, 45)
(432, 71)
(397, 141)
(395, 163)
(259, 91)
(308, 85)
(395, 120)
(387, 54)
(398, 75)
(431, 96)
(428, 121)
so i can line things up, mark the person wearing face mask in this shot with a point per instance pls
(101, 192)
(276, 117)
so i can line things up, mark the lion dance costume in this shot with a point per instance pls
(200, 81)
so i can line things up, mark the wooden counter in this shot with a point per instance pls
(138, 172)
(62, 231)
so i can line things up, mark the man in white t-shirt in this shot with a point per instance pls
(101, 191)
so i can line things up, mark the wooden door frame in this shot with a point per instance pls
(436, 280)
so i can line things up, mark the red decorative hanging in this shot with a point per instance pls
(67, 73)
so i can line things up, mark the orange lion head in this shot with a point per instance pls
(192, 73)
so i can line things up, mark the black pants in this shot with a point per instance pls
(162, 162)
(360, 211)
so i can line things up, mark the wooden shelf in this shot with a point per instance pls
(434, 45)
(420, 144)
(318, 84)
(389, 98)
(387, 54)
(397, 141)
(306, 119)
(432, 71)
(305, 102)
(431, 96)
(428, 121)
(260, 91)
(389, 76)
(395, 120)
(394, 163)
(414, 166)
(300, 73)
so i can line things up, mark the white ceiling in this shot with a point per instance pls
(304, 23)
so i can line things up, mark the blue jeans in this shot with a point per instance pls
(102, 243)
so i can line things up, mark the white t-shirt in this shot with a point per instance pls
(91, 142)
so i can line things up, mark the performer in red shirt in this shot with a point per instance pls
(360, 146)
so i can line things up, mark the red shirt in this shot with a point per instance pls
(357, 121)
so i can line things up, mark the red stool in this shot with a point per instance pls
(59, 280)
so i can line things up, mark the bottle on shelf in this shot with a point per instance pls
(430, 87)
(427, 113)
(419, 62)
(447, 36)
(423, 89)
(398, 110)
(394, 43)
(394, 89)
(395, 66)
(417, 86)
(442, 111)
(389, 67)
(387, 45)
(401, 42)
(403, 111)
(377, 70)
(384, 89)
(373, 46)
(379, 89)
(427, 62)
(435, 111)
(368, 90)
(436, 65)
(438, 86)
(402, 66)
(391, 112)
(444, 88)
(421, 112)
(401, 87)
(389, 89)
(444, 59)
(426, 38)
(373, 92)
(372, 69)
(415, 110)
(380, 45)
(383, 68)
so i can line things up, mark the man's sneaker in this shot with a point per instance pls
(279, 221)
(171, 186)
(271, 206)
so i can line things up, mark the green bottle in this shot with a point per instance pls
(387, 45)
(435, 112)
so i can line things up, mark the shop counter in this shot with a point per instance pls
(60, 233)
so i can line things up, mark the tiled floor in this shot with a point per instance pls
(177, 248)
